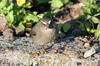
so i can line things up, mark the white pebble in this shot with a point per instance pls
(89, 52)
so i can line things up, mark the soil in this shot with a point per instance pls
(23, 52)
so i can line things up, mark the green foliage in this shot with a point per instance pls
(65, 1)
(82, 27)
(20, 26)
(56, 3)
(31, 17)
(90, 17)
(3, 3)
(64, 27)
(10, 18)
(16, 14)
(97, 32)
(59, 3)
(28, 65)
(59, 26)
(43, 1)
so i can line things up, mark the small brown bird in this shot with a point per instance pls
(45, 31)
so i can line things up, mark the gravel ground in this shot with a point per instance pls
(69, 51)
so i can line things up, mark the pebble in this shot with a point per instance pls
(84, 39)
(89, 52)
(70, 49)
(87, 45)
(97, 55)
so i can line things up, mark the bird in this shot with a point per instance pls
(45, 31)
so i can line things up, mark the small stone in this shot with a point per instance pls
(8, 51)
(84, 39)
(9, 34)
(41, 51)
(97, 55)
(56, 65)
(19, 32)
(87, 45)
(24, 52)
(70, 53)
(33, 55)
(27, 34)
(80, 44)
(89, 52)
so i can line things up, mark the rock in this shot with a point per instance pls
(8, 34)
(33, 55)
(97, 55)
(19, 32)
(27, 34)
(3, 24)
(14, 57)
(84, 39)
(89, 52)
(87, 45)
(69, 53)
(23, 51)
(8, 51)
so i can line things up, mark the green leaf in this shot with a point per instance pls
(3, 3)
(66, 27)
(48, 13)
(10, 18)
(87, 4)
(59, 26)
(40, 15)
(82, 27)
(35, 12)
(32, 17)
(56, 10)
(95, 20)
(56, 3)
(28, 65)
(88, 10)
(87, 26)
(35, 19)
(10, 6)
(27, 4)
(42, 1)
(88, 29)
(20, 26)
(91, 1)
(65, 1)
(97, 32)
(88, 17)
(92, 30)
(98, 14)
